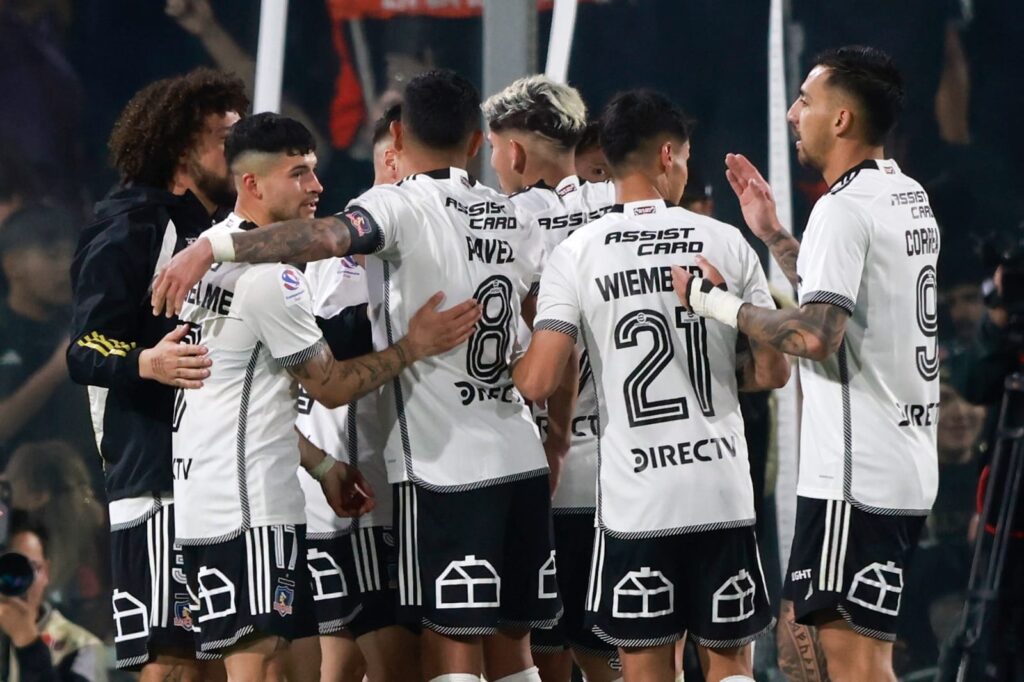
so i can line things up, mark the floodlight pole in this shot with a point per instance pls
(270, 56)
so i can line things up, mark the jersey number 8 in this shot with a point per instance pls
(487, 351)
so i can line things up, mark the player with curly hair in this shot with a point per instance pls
(168, 145)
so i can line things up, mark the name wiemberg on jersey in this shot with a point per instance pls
(637, 282)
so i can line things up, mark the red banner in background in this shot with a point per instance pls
(385, 9)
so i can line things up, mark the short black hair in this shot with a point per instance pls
(634, 118)
(590, 138)
(441, 108)
(382, 126)
(36, 225)
(22, 521)
(870, 76)
(269, 133)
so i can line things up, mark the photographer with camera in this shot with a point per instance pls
(41, 644)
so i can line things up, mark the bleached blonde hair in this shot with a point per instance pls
(538, 105)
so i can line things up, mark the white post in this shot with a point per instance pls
(787, 412)
(563, 25)
(270, 56)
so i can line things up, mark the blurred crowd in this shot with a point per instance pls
(66, 69)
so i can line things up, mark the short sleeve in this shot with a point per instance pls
(389, 212)
(558, 305)
(279, 310)
(755, 284)
(832, 254)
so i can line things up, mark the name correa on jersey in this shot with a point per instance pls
(671, 452)
(869, 429)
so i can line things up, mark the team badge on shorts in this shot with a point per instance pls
(182, 612)
(284, 595)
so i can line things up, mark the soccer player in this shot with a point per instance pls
(356, 562)
(865, 333)
(534, 125)
(241, 519)
(476, 566)
(168, 145)
(675, 548)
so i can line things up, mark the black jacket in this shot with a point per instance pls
(136, 232)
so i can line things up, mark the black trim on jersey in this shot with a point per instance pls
(534, 289)
(240, 445)
(567, 328)
(540, 184)
(572, 511)
(403, 423)
(830, 297)
(845, 179)
(353, 438)
(303, 355)
(621, 208)
(681, 530)
(441, 174)
(844, 378)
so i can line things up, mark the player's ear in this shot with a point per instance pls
(398, 135)
(666, 154)
(475, 141)
(843, 122)
(518, 157)
(251, 185)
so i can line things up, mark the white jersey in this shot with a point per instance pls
(557, 212)
(454, 421)
(671, 452)
(870, 411)
(235, 449)
(349, 433)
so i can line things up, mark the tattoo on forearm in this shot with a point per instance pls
(801, 658)
(799, 331)
(293, 241)
(356, 377)
(785, 250)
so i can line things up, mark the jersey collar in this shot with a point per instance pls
(567, 186)
(637, 209)
(237, 222)
(887, 166)
(456, 176)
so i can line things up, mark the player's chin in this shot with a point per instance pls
(308, 209)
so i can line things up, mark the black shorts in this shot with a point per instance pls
(645, 592)
(333, 582)
(255, 584)
(477, 561)
(574, 547)
(150, 600)
(851, 561)
(375, 564)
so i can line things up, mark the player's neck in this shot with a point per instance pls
(635, 187)
(845, 157)
(254, 214)
(426, 160)
(550, 171)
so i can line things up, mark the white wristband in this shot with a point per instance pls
(320, 470)
(223, 247)
(710, 301)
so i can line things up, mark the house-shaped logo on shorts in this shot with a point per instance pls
(878, 587)
(328, 578)
(547, 584)
(643, 594)
(734, 600)
(130, 617)
(468, 583)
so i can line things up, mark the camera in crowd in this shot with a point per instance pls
(1007, 253)
(16, 572)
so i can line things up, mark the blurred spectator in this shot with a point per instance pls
(49, 480)
(36, 244)
(934, 592)
(697, 196)
(43, 98)
(18, 184)
(46, 646)
(964, 304)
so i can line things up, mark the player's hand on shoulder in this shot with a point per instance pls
(433, 331)
(171, 362)
(755, 194)
(179, 276)
(347, 492)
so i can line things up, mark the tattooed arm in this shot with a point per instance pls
(334, 383)
(813, 331)
(785, 250)
(759, 367)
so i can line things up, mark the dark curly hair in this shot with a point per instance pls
(162, 121)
